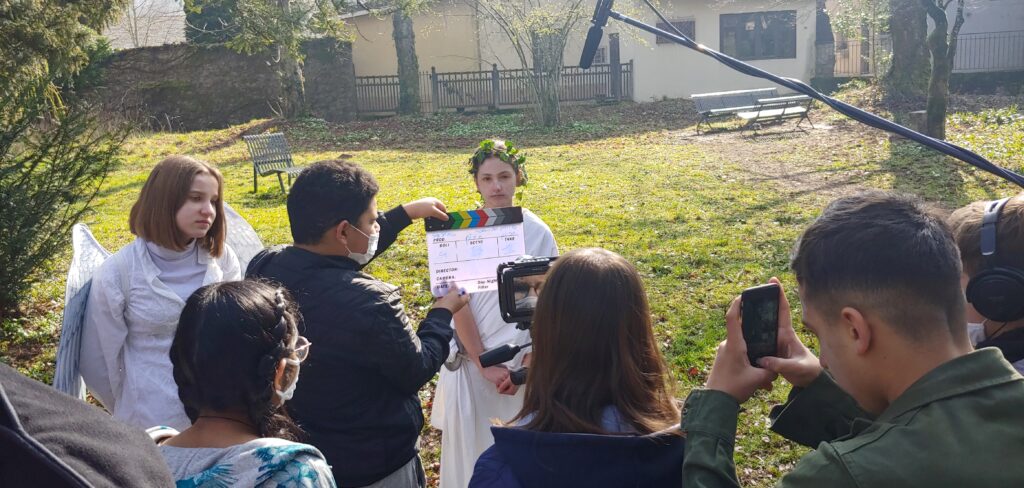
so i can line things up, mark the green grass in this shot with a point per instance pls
(702, 217)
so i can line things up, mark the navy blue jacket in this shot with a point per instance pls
(521, 458)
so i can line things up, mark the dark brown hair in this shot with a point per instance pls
(325, 194)
(153, 215)
(593, 347)
(231, 336)
(966, 225)
(885, 254)
(482, 155)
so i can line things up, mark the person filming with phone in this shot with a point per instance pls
(898, 396)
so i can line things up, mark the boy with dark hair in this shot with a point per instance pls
(993, 276)
(358, 395)
(898, 395)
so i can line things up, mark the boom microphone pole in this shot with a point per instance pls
(603, 11)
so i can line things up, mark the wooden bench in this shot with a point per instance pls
(727, 104)
(270, 155)
(769, 110)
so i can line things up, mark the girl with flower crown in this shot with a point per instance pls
(468, 397)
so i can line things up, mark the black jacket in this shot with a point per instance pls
(50, 439)
(357, 395)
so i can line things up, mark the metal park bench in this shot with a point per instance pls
(270, 155)
(777, 109)
(727, 104)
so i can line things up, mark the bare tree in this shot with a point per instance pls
(538, 31)
(150, 22)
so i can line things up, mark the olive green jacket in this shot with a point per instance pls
(960, 425)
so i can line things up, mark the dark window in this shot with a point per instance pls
(601, 56)
(687, 27)
(759, 35)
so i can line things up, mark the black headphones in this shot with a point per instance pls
(996, 292)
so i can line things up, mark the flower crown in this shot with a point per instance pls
(509, 154)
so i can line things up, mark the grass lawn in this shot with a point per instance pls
(701, 216)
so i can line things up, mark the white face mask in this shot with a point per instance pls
(290, 390)
(371, 248)
(976, 331)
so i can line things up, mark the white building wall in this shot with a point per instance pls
(985, 16)
(673, 71)
(669, 70)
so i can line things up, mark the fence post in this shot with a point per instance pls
(632, 81)
(616, 66)
(434, 91)
(495, 87)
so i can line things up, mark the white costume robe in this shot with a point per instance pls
(130, 321)
(465, 402)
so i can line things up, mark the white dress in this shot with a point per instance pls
(130, 321)
(465, 402)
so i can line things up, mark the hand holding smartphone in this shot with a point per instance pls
(760, 319)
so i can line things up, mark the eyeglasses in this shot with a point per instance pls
(301, 348)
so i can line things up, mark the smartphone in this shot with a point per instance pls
(760, 312)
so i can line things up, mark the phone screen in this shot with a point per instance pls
(760, 321)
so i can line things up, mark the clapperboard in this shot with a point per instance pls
(465, 250)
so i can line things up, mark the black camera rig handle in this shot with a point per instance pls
(501, 354)
(518, 376)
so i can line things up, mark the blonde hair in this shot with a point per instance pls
(153, 215)
(965, 223)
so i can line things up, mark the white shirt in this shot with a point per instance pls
(181, 271)
(130, 321)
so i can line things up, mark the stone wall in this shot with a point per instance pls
(184, 87)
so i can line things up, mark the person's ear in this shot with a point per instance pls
(859, 330)
(338, 233)
(279, 374)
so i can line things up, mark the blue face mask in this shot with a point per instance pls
(371, 248)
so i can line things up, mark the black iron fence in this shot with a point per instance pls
(991, 51)
(495, 88)
(980, 52)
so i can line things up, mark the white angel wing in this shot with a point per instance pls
(88, 256)
(241, 237)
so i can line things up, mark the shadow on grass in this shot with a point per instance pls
(921, 171)
(268, 197)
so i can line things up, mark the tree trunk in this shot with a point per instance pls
(942, 44)
(908, 75)
(824, 43)
(547, 75)
(408, 63)
(289, 72)
(293, 85)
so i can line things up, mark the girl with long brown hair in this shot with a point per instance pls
(598, 409)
